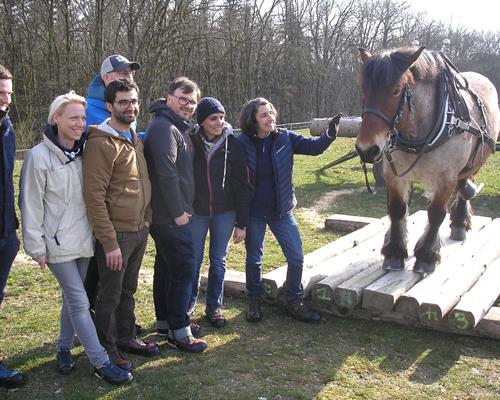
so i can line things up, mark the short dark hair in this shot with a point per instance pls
(5, 73)
(118, 85)
(248, 122)
(186, 85)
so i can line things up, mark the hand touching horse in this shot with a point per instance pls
(430, 124)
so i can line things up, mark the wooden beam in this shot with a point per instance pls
(348, 126)
(409, 302)
(474, 304)
(439, 303)
(234, 283)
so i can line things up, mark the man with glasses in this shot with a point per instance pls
(9, 243)
(113, 67)
(117, 196)
(169, 154)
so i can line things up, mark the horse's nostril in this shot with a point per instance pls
(369, 155)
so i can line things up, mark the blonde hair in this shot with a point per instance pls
(61, 101)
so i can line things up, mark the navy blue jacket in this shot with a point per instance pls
(285, 144)
(8, 220)
(169, 153)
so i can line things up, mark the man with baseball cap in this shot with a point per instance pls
(112, 68)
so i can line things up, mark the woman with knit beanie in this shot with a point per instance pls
(221, 199)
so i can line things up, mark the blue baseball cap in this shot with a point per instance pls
(118, 63)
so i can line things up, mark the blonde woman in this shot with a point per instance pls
(57, 233)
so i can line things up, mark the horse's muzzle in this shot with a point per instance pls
(370, 155)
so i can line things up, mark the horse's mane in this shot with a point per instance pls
(385, 68)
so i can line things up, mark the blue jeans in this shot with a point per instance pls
(221, 227)
(9, 247)
(174, 273)
(286, 231)
(75, 314)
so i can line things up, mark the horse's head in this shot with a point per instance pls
(385, 80)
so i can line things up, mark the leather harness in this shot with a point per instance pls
(453, 118)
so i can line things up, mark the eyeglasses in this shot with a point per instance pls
(184, 101)
(127, 103)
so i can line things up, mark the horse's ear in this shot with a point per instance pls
(404, 60)
(364, 54)
(413, 57)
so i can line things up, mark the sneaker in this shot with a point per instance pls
(214, 316)
(137, 346)
(65, 363)
(254, 311)
(300, 311)
(10, 378)
(189, 344)
(120, 361)
(113, 374)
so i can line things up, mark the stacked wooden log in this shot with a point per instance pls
(346, 278)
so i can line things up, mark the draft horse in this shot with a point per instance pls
(427, 122)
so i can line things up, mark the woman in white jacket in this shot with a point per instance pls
(57, 233)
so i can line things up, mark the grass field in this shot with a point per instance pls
(278, 358)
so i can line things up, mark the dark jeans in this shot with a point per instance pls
(287, 234)
(92, 282)
(174, 273)
(114, 309)
(9, 247)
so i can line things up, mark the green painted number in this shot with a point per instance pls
(323, 294)
(431, 315)
(461, 321)
(267, 288)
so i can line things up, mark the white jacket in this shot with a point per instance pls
(54, 217)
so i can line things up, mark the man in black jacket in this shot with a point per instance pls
(9, 243)
(169, 154)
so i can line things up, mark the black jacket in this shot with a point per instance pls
(169, 154)
(221, 180)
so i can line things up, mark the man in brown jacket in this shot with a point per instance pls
(117, 196)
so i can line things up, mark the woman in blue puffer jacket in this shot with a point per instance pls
(269, 151)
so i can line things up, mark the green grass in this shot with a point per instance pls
(278, 358)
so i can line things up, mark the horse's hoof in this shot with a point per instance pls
(422, 267)
(393, 264)
(458, 234)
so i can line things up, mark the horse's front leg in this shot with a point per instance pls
(395, 248)
(427, 249)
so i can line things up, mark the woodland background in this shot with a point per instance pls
(301, 54)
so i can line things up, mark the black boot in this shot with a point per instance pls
(254, 311)
(302, 312)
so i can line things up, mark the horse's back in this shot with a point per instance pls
(487, 92)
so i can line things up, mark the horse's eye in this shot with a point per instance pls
(396, 92)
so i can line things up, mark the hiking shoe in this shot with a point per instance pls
(214, 316)
(254, 311)
(189, 344)
(299, 310)
(65, 363)
(10, 378)
(120, 361)
(137, 346)
(113, 374)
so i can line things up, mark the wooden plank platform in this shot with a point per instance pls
(345, 278)
(347, 223)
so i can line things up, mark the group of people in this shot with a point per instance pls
(94, 189)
